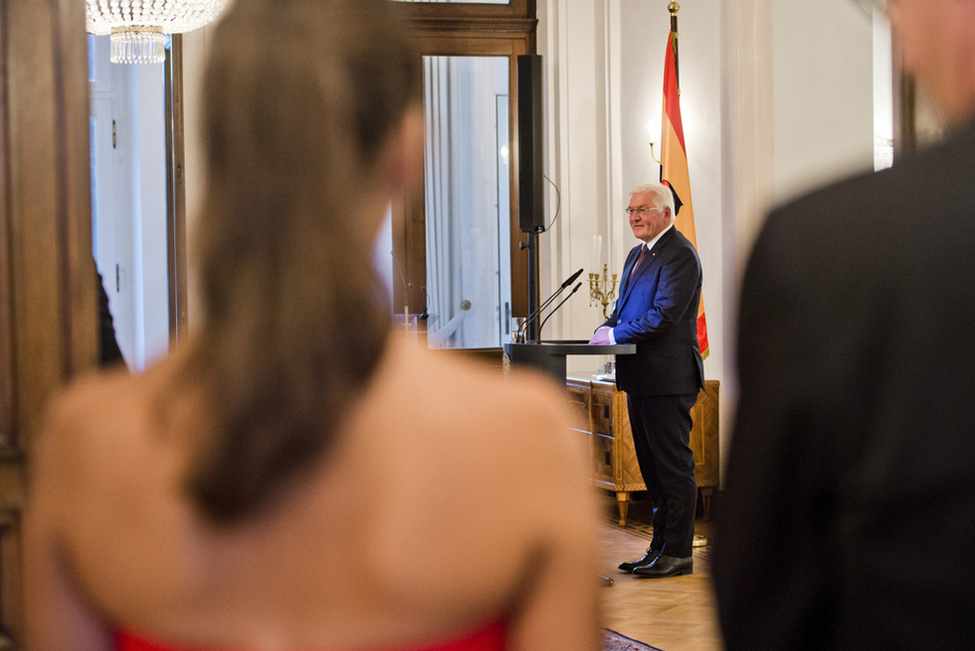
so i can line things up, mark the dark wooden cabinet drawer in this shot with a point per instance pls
(603, 416)
(602, 412)
(603, 455)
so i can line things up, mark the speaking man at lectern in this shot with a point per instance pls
(657, 310)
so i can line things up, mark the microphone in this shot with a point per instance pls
(534, 315)
(556, 309)
(571, 279)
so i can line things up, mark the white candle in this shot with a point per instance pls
(599, 250)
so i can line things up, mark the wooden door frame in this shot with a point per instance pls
(176, 192)
(455, 29)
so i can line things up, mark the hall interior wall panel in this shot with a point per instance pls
(54, 308)
(48, 307)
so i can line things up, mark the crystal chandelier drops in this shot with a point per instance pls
(138, 26)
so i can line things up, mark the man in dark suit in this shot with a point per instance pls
(657, 310)
(847, 519)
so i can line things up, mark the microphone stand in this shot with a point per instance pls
(562, 302)
(534, 315)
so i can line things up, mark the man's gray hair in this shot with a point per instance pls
(662, 195)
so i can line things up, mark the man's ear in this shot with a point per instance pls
(404, 159)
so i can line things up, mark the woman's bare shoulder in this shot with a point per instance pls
(90, 393)
(99, 428)
(471, 464)
(73, 412)
(453, 386)
(483, 424)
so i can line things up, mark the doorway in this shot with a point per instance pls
(129, 200)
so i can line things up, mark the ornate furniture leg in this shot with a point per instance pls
(623, 504)
(706, 493)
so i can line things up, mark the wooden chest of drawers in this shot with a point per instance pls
(606, 424)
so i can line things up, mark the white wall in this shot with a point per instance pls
(822, 82)
(581, 81)
(150, 254)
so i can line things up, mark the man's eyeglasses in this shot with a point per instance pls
(642, 211)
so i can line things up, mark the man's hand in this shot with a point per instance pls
(601, 337)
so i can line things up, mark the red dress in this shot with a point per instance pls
(487, 638)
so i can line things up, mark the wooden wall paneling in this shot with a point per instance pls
(11, 605)
(524, 267)
(456, 45)
(472, 31)
(78, 293)
(492, 13)
(7, 404)
(54, 294)
(10, 475)
(176, 192)
(48, 308)
(33, 200)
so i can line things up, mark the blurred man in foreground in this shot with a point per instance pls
(848, 518)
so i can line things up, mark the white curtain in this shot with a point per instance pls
(464, 211)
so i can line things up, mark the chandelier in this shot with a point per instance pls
(138, 26)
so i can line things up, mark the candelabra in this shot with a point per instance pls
(602, 289)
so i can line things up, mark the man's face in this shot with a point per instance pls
(916, 24)
(933, 35)
(646, 219)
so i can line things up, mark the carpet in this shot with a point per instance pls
(613, 641)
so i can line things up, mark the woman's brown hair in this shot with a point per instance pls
(301, 97)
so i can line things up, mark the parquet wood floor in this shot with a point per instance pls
(675, 614)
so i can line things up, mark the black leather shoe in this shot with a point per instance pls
(665, 566)
(651, 556)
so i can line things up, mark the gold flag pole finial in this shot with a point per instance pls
(674, 8)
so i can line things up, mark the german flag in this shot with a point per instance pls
(673, 167)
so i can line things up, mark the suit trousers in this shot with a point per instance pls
(661, 428)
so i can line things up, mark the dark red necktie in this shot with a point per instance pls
(639, 260)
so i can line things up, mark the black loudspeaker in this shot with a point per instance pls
(531, 201)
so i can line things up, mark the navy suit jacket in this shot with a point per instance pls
(657, 311)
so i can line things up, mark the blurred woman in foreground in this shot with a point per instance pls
(297, 477)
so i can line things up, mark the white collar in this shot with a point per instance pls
(658, 236)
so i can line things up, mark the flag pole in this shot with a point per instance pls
(673, 158)
(673, 7)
